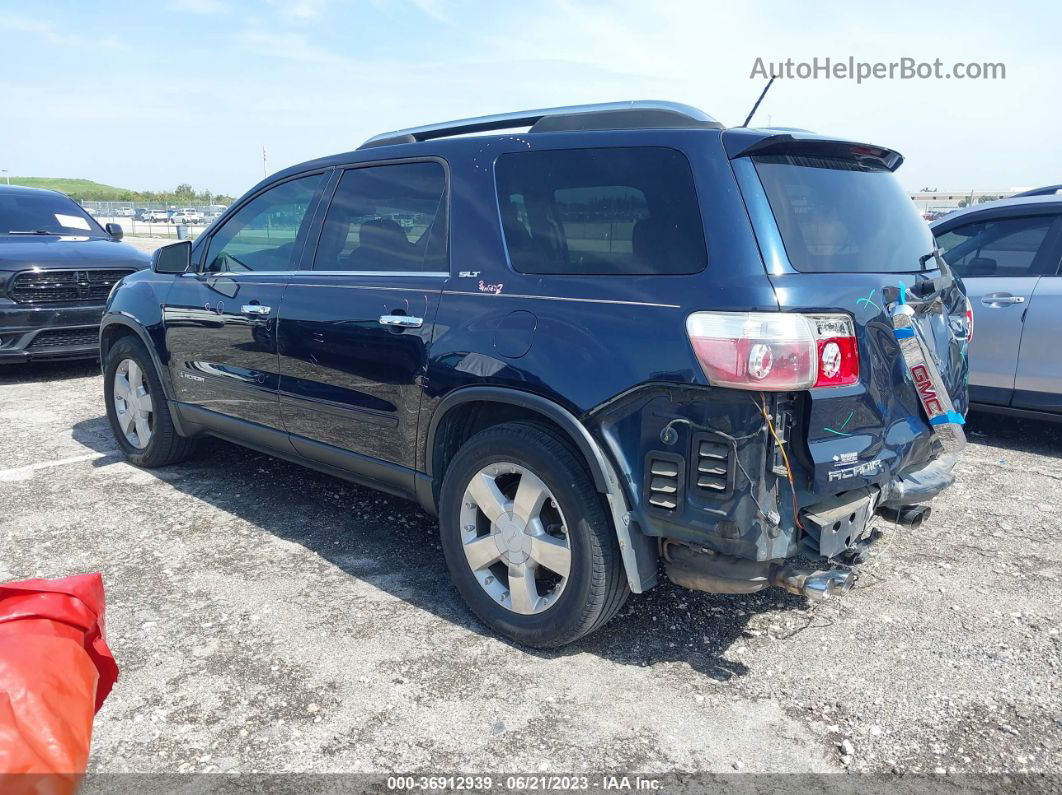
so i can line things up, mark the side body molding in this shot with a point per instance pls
(638, 551)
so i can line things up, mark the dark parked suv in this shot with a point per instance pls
(57, 266)
(626, 335)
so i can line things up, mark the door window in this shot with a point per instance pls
(1004, 247)
(387, 219)
(261, 236)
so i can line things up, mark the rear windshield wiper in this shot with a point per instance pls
(33, 232)
(926, 258)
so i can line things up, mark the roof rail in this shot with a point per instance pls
(1049, 190)
(633, 114)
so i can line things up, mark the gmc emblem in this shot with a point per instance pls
(924, 384)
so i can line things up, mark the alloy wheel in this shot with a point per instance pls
(133, 403)
(515, 538)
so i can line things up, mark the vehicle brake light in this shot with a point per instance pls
(775, 351)
(838, 353)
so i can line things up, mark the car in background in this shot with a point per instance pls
(91, 211)
(1008, 254)
(141, 214)
(187, 215)
(214, 211)
(158, 216)
(123, 212)
(57, 267)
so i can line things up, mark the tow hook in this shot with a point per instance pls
(815, 585)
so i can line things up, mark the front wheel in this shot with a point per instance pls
(137, 409)
(526, 537)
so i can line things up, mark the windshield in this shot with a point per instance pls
(841, 216)
(45, 213)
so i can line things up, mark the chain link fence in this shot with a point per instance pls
(155, 219)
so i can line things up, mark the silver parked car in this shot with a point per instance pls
(1008, 255)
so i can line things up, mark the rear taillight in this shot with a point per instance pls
(775, 351)
(838, 353)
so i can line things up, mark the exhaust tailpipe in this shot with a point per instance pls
(908, 515)
(815, 585)
(702, 570)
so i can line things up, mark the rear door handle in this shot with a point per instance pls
(255, 309)
(990, 299)
(401, 321)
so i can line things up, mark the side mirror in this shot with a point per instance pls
(114, 230)
(174, 258)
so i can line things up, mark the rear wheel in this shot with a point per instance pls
(526, 537)
(137, 408)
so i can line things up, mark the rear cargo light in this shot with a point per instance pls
(775, 351)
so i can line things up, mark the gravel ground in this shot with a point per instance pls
(268, 618)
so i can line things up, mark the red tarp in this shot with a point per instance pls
(55, 672)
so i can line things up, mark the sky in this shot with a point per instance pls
(149, 95)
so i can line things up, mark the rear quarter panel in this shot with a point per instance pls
(581, 340)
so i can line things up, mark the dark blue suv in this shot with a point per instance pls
(627, 335)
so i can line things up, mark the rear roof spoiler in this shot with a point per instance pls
(742, 142)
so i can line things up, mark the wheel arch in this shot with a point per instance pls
(114, 327)
(529, 402)
(460, 407)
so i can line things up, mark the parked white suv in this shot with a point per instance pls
(158, 216)
(187, 215)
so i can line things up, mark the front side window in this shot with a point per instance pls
(44, 214)
(615, 211)
(261, 235)
(1004, 247)
(386, 219)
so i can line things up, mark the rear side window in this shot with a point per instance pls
(1003, 247)
(615, 211)
(386, 219)
(842, 216)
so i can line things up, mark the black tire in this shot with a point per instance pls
(165, 446)
(597, 585)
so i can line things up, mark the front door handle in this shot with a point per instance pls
(992, 298)
(401, 321)
(255, 310)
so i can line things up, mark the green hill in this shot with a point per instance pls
(77, 188)
(87, 190)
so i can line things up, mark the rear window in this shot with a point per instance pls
(840, 216)
(614, 211)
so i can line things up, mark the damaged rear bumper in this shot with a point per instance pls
(920, 485)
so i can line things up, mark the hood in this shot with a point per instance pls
(20, 252)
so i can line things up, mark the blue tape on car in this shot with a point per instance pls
(951, 416)
(929, 386)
